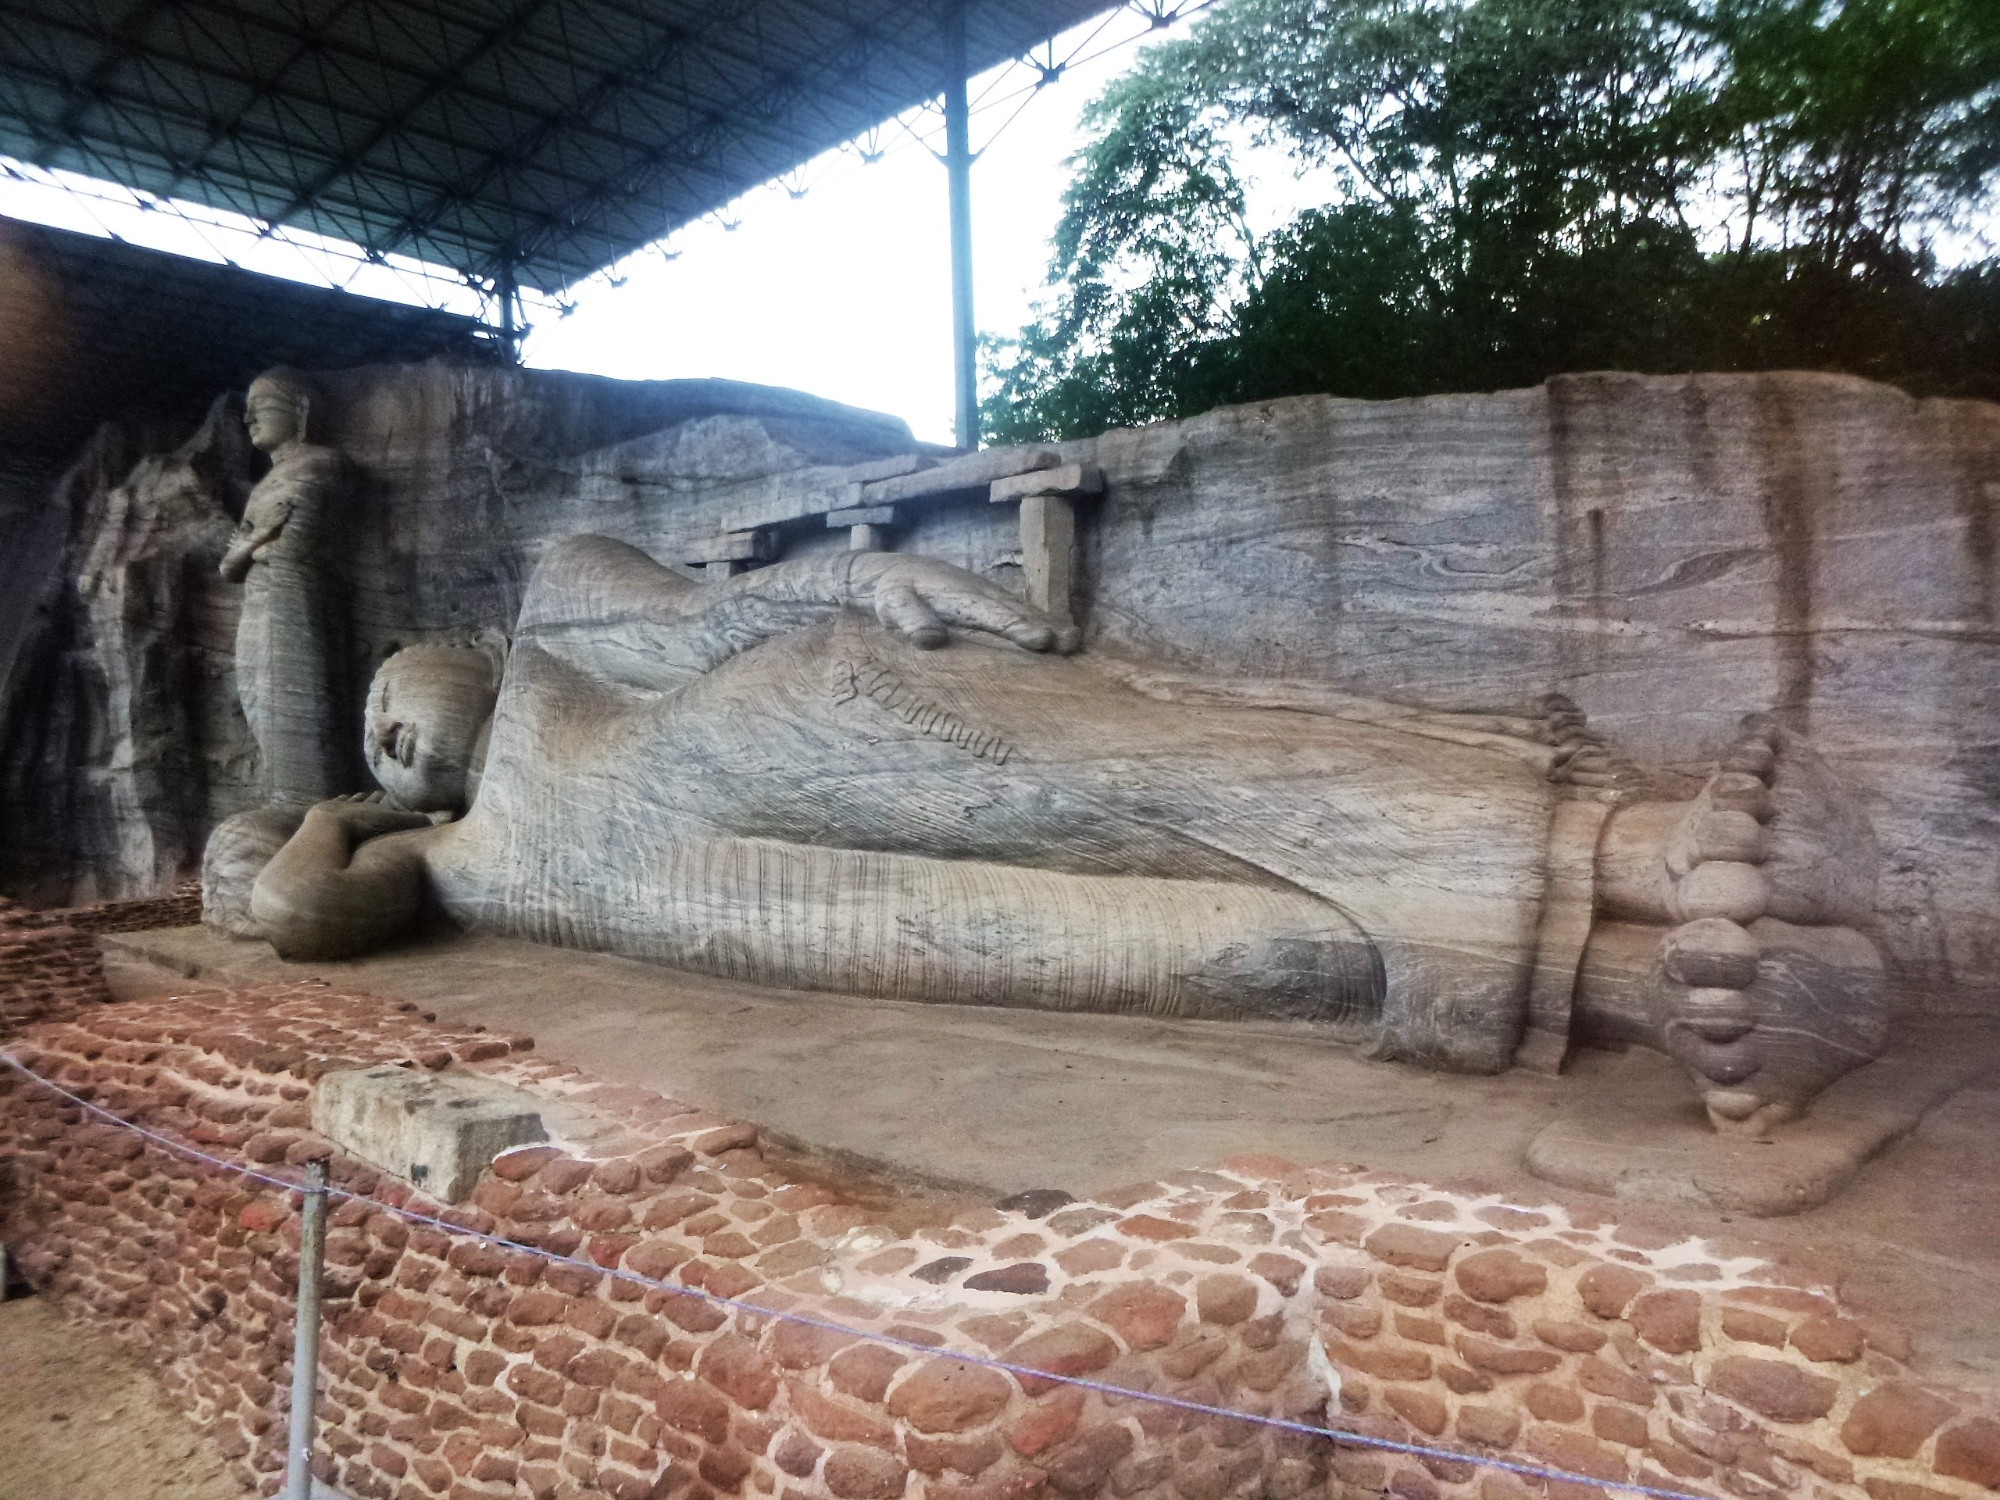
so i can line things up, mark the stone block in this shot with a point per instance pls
(1063, 479)
(435, 1131)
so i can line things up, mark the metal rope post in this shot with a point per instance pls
(305, 1337)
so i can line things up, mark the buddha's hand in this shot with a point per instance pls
(255, 535)
(367, 815)
(917, 598)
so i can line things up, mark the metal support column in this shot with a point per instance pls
(507, 287)
(958, 167)
(305, 1337)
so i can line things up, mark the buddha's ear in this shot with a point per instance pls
(494, 646)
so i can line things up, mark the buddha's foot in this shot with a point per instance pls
(1765, 992)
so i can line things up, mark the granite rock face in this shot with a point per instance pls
(1671, 553)
(121, 743)
(122, 739)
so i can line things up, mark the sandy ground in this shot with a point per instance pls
(81, 1419)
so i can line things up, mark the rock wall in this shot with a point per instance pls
(121, 743)
(1390, 1308)
(1671, 552)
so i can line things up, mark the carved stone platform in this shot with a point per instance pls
(1639, 1137)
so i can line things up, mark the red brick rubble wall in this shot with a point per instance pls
(49, 962)
(48, 967)
(456, 1368)
(180, 908)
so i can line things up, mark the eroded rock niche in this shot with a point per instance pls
(1670, 553)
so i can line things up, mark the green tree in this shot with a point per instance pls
(1521, 187)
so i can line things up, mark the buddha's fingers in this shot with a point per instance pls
(902, 610)
(995, 613)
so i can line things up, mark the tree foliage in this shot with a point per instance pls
(1521, 187)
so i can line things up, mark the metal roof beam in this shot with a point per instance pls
(521, 15)
(560, 134)
(31, 15)
(689, 147)
(674, 42)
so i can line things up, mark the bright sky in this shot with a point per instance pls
(846, 291)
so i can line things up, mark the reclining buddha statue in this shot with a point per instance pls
(782, 778)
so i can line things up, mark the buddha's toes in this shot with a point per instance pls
(1764, 992)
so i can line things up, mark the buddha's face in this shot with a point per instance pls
(427, 715)
(272, 414)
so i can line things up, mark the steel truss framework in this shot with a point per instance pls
(530, 141)
(93, 328)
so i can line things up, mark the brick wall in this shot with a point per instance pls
(49, 962)
(48, 967)
(180, 908)
(455, 1368)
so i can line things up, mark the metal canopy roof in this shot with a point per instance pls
(93, 328)
(552, 136)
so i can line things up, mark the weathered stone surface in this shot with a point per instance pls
(1970, 1450)
(436, 1131)
(734, 1366)
(117, 683)
(1754, 1327)
(1142, 1313)
(1603, 1378)
(1577, 1453)
(836, 1420)
(865, 1474)
(1783, 1392)
(1068, 1349)
(1499, 1276)
(1025, 1279)
(1669, 1321)
(1408, 1245)
(945, 1395)
(1828, 1340)
(1080, 1465)
(1893, 1420)
(1225, 1299)
(1576, 1338)
(1384, 1361)
(1036, 1203)
(1422, 1409)
(1505, 1359)
(1049, 1422)
(1488, 1426)
(864, 1371)
(1607, 1290)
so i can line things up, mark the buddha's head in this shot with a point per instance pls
(275, 409)
(429, 711)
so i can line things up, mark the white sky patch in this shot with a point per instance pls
(846, 290)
